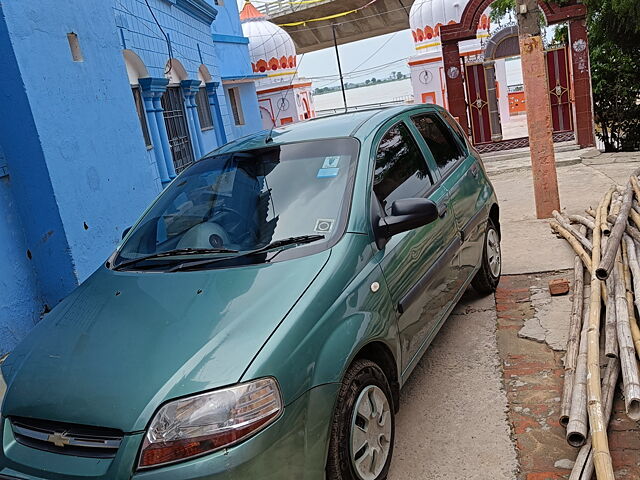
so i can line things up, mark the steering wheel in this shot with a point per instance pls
(230, 227)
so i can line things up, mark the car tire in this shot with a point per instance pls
(487, 279)
(364, 415)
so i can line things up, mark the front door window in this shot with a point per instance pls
(401, 170)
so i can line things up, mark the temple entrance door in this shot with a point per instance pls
(478, 99)
(558, 74)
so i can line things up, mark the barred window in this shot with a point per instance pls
(204, 109)
(142, 116)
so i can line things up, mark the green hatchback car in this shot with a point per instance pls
(261, 317)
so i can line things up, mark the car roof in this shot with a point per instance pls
(333, 126)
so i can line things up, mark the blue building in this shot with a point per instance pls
(102, 103)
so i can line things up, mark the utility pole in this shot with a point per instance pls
(536, 90)
(335, 44)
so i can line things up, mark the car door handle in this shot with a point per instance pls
(474, 170)
(442, 210)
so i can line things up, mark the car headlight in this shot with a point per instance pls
(193, 426)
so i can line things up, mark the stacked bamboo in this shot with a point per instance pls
(604, 336)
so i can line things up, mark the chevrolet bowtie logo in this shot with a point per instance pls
(59, 439)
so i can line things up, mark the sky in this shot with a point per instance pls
(367, 58)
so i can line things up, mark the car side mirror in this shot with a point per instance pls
(408, 214)
(125, 231)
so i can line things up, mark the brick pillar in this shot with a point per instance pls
(536, 89)
(455, 86)
(581, 82)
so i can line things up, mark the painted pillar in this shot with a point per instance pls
(221, 135)
(494, 111)
(534, 74)
(455, 86)
(148, 94)
(189, 89)
(581, 82)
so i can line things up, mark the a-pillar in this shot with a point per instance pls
(494, 111)
(154, 88)
(455, 85)
(190, 89)
(214, 103)
(534, 74)
(581, 82)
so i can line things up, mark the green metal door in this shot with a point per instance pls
(420, 266)
(462, 175)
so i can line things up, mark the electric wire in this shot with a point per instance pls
(166, 37)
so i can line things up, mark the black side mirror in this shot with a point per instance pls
(408, 214)
(125, 231)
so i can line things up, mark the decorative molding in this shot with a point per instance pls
(190, 87)
(151, 84)
(198, 9)
(243, 78)
(220, 38)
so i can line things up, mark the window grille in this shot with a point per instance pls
(177, 128)
(204, 109)
(236, 106)
(142, 116)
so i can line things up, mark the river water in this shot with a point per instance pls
(374, 94)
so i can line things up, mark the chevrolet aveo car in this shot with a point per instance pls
(260, 318)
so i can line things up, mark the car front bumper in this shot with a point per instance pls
(294, 447)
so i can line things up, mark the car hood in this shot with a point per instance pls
(124, 342)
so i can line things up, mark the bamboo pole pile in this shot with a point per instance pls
(603, 347)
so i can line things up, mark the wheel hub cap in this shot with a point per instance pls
(493, 252)
(370, 433)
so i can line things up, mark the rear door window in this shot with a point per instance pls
(440, 140)
(401, 170)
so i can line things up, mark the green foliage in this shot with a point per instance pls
(614, 33)
(500, 8)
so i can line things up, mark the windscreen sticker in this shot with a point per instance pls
(328, 172)
(331, 162)
(324, 225)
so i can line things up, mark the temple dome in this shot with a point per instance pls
(427, 16)
(272, 49)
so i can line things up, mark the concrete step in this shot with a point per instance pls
(521, 152)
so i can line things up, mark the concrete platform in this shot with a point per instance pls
(528, 246)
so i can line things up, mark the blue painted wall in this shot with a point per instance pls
(77, 175)
(192, 45)
(19, 309)
(232, 51)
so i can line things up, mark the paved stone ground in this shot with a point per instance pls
(533, 381)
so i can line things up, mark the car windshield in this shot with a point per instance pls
(231, 205)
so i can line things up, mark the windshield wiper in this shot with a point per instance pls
(175, 253)
(278, 244)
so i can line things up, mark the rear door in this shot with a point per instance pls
(420, 266)
(462, 175)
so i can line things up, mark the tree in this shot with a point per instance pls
(614, 33)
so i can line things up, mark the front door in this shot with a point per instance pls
(420, 266)
(461, 174)
(478, 98)
(558, 74)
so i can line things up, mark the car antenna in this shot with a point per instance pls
(269, 138)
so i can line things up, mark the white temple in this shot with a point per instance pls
(427, 67)
(283, 97)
